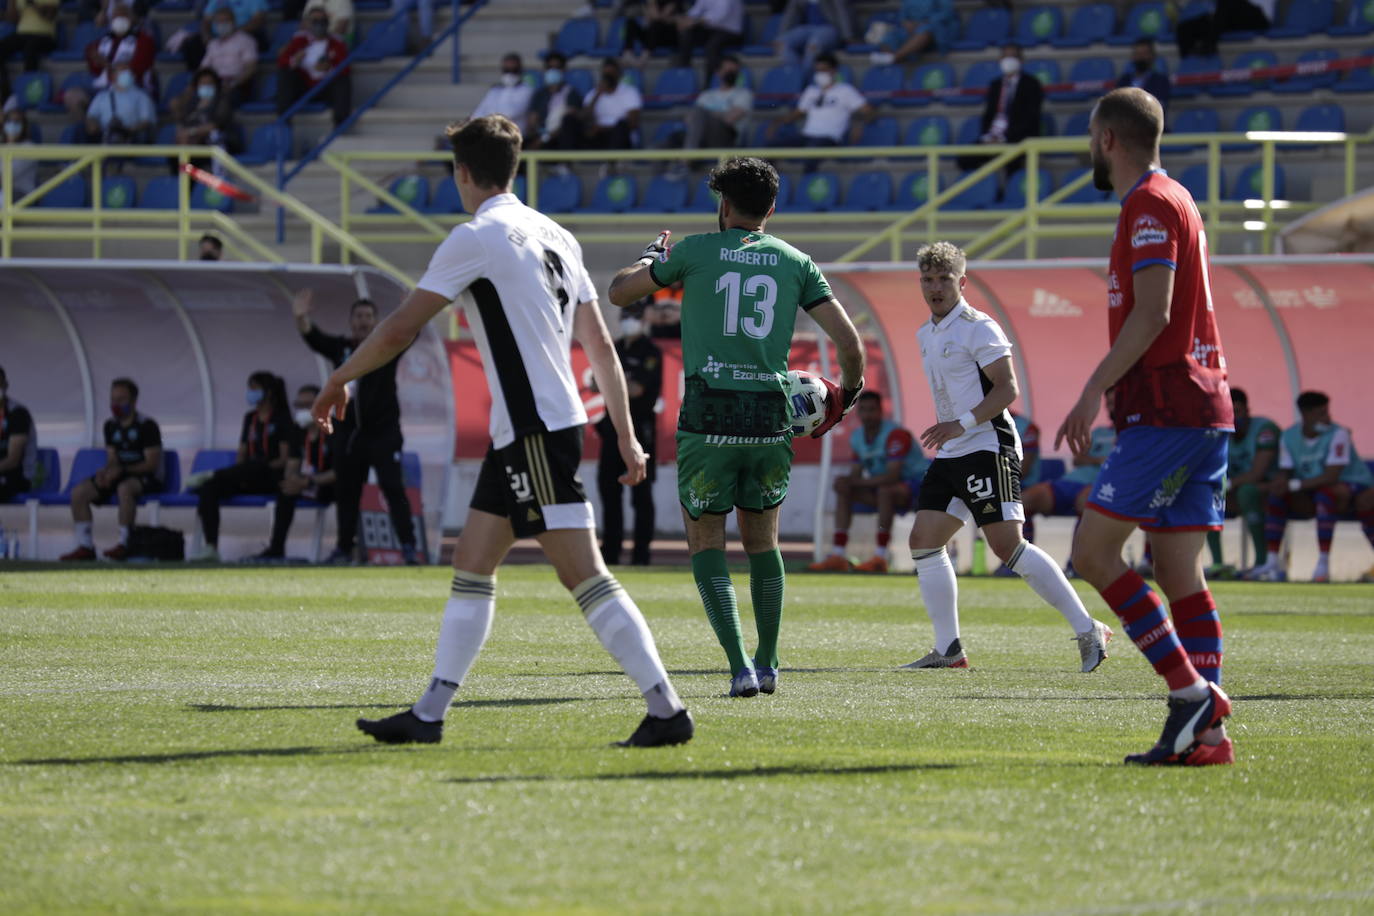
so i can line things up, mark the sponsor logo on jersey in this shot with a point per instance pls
(740, 372)
(718, 440)
(1146, 231)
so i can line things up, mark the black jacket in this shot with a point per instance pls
(1023, 111)
(374, 410)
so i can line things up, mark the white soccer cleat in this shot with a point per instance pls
(1092, 646)
(206, 554)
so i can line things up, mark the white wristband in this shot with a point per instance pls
(1294, 485)
(966, 420)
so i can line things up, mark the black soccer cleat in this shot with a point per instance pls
(654, 732)
(402, 728)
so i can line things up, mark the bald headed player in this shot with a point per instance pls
(1167, 473)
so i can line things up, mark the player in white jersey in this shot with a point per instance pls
(976, 473)
(528, 296)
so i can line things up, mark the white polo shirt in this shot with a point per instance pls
(828, 110)
(954, 353)
(610, 108)
(520, 276)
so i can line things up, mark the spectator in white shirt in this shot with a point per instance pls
(123, 113)
(829, 107)
(712, 25)
(720, 117)
(511, 95)
(612, 110)
(555, 116)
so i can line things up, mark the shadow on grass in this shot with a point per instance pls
(687, 672)
(1255, 697)
(732, 773)
(183, 756)
(513, 701)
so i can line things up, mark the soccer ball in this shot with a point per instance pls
(806, 397)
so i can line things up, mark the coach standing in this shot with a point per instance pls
(369, 436)
(642, 363)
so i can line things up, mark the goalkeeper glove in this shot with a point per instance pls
(657, 250)
(838, 402)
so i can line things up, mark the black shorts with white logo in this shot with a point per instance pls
(533, 482)
(982, 486)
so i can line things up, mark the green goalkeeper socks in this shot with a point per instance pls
(1214, 545)
(718, 595)
(766, 580)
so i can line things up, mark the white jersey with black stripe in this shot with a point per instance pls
(954, 351)
(520, 276)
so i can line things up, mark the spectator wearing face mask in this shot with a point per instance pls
(203, 114)
(1011, 108)
(829, 107)
(720, 116)
(511, 95)
(122, 113)
(642, 362)
(1143, 75)
(339, 12)
(307, 58)
(554, 120)
(232, 54)
(23, 172)
(211, 248)
(309, 474)
(267, 441)
(122, 43)
(612, 110)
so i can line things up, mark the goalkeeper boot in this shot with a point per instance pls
(768, 677)
(745, 683)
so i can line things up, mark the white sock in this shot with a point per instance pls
(940, 593)
(124, 535)
(617, 622)
(1047, 580)
(1196, 691)
(466, 625)
(83, 535)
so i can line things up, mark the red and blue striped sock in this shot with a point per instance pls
(1149, 626)
(1199, 629)
(1275, 521)
(1325, 505)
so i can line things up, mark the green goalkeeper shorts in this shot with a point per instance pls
(716, 473)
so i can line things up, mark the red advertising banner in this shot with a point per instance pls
(376, 533)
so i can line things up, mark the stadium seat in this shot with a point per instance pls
(1190, 65)
(160, 193)
(264, 144)
(445, 199)
(932, 77)
(1359, 21)
(46, 483)
(176, 85)
(787, 134)
(264, 100)
(879, 83)
(78, 79)
(408, 189)
(879, 132)
(913, 190)
(384, 39)
(1305, 17)
(117, 192)
(981, 195)
(72, 194)
(32, 89)
(817, 193)
(1248, 183)
(704, 199)
(1089, 24)
(1047, 124)
(1045, 70)
(988, 27)
(577, 36)
(1014, 197)
(73, 134)
(1194, 178)
(674, 86)
(784, 190)
(203, 198)
(74, 48)
(932, 130)
(1087, 194)
(1039, 25)
(209, 459)
(970, 130)
(613, 194)
(85, 463)
(613, 41)
(1193, 121)
(166, 136)
(1361, 80)
(280, 37)
(1326, 117)
(1307, 84)
(978, 76)
(780, 86)
(868, 191)
(669, 134)
(664, 194)
(560, 193)
(1086, 70)
(761, 44)
(1077, 124)
(1145, 20)
(1244, 60)
(1256, 117)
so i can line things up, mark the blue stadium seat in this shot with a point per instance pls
(664, 194)
(932, 130)
(1308, 84)
(928, 76)
(74, 48)
(669, 134)
(560, 193)
(1245, 59)
(1361, 80)
(580, 78)
(1086, 70)
(781, 85)
(1247, 185)
(868, 191)
(1305, 17)
(1087, 194)
(1077, 124)
(1047, 124)
(786, 135)
(176, 85)
(118, 192)
(85, 463)
(209, 459)
(32, 89)
(970, 130)
(160, 193)
(879, 132)
(879, 83)
(77, 79)
(989, 26)
(1359, 21)
(613, 41)
(1193, 121)
(265, 143)
(914, 189)
(980, 196)
(674, 86)
(408, 189)
(280, 37)
(384, 39)
(1194, 178)
(445, 199)
(1256, 117)
(264, 100)
(1039, 25)
(577, 36)
(166, 136)
(47, 479)
(978, 76)
(519, 187)
(1014, 196)
(1046, 71)
(72, 194)
(203, 198)
(817, 193)
(613, 194)
(703, 199)
(761, 44)
(1089, 24)
(784, 190)
(1327, 117)
(1188, 66)
(1145, 20)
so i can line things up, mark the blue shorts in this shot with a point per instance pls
(1066, 494)
(1165, 479)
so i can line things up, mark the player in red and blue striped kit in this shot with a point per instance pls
(1167, 473)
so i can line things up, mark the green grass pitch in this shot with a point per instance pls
(183, 741)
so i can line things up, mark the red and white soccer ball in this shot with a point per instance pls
(806, 394)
